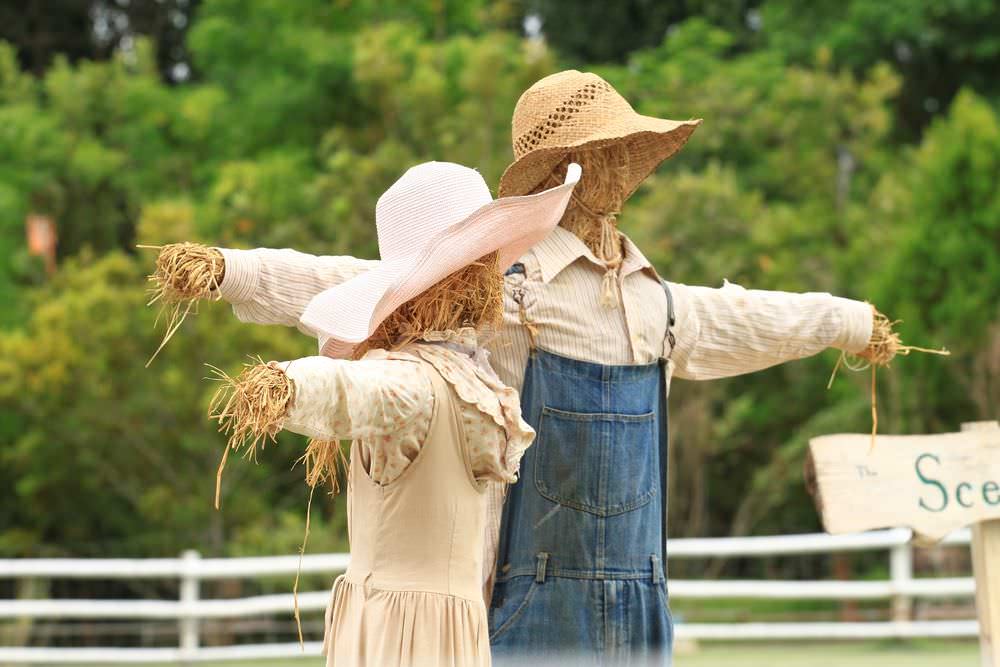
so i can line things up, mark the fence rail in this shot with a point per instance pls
(190, 570)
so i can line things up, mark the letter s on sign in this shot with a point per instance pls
(931, 482)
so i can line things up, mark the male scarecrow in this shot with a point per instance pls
(591, 337)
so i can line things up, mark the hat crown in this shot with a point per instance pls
(426, 200)
(562, 109)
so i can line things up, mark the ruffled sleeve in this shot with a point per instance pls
(383, 403)
(487, 404)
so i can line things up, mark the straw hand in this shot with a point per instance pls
(250, 408)
(185, 273)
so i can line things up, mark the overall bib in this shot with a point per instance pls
(581, 570)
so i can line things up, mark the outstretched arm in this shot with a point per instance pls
(730, 331)
(264, 286)
(335, 399)
(268, 286)
(387, 403)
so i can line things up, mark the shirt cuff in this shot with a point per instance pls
(242, 274)
(856, 329)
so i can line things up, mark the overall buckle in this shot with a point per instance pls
(657, 568)
(542, 561)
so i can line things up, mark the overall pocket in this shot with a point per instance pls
(516, 595)
(601, 463)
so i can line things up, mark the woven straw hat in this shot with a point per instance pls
(436, 219)
(575, 110)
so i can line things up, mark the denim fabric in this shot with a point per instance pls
(581, 574)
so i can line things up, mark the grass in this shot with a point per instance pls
(297, 662)
(936, 653)
(852, 654)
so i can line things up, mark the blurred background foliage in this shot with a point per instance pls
(850, 147)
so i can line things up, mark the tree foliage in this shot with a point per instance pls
(807, 174)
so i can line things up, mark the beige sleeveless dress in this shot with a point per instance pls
(412, 594)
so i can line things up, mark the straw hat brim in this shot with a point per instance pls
(347, 314)
(649, 140)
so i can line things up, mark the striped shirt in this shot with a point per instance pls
(555, 303)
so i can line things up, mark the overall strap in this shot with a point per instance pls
(670, 318)
(518, 295)
(660, 568)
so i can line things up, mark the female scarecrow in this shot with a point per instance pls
(591, 336)
(431, 423)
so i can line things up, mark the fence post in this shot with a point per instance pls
(901, 573)
(189, 594)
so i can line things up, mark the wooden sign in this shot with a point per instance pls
(933, 484)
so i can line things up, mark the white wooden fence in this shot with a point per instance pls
(901, 588)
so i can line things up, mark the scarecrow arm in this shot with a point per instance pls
(269, 286)
(731, 330)
(386, 403)
(335, 399)
(265, 286)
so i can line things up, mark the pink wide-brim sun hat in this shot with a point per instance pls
(436, 219)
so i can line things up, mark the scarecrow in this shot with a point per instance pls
(402, 375)
(591, 337)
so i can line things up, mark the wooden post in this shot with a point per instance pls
(19, 632)
(901, 573)
(986, 566)
(189, 594)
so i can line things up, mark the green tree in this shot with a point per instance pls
(943, 277)
(112, 457)
(300, 114)
(937, 46)
(593, 31)
(95, 29)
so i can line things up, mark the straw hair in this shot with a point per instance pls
(592, 213)
(575, 110)
(469, 297)
(185, 273)
(250, 408)
(884, 345)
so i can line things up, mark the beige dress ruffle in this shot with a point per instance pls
(496, 452)
(405, 628)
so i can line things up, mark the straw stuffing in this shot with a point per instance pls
(185, 273)
(250, 408)
(470, 297)
(884, 345)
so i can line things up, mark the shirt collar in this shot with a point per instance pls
(562, 247)
(466, 337)
(464, 340)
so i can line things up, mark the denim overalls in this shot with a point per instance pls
(581, 573)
